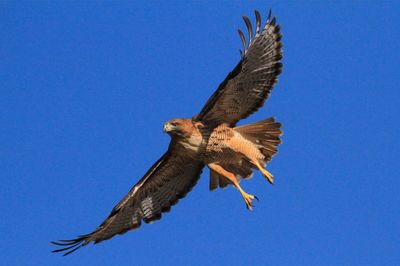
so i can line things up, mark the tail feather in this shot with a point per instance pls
(223, 181)
(217, 180)
(214, 178)
(265, 134)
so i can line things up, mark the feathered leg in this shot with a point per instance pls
(248, 198)
(264, 171)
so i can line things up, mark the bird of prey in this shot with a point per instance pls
(210, 138)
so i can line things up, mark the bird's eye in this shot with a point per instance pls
(173, 124)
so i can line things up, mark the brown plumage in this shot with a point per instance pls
(210, 138)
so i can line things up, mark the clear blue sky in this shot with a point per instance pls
(86, 87)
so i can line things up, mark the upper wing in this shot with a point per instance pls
(247, 87)
(167, 181)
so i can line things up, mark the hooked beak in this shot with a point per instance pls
(168, 127)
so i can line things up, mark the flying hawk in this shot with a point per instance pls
(210, 138)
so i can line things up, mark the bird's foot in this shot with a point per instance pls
(248, 199)
(264, 172)
(267, 175)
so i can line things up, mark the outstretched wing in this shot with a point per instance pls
(167, 181)
(247, 87)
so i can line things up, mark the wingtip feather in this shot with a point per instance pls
(258, 21)
(243, 40)
(249, 28)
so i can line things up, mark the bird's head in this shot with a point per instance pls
(179, 127)
(175, 127)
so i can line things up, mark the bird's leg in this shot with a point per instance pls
(264, 172)
(248, 198)
(253, 159)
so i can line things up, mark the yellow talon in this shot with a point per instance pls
(265, 173)
(268, 175)
(248, 199)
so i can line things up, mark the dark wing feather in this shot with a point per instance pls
(247, 87)
(167, 181)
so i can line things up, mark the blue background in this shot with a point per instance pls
(86, 87)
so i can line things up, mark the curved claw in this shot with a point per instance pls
(248, 199)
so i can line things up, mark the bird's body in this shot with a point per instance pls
(233, 150)
(211, 138)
